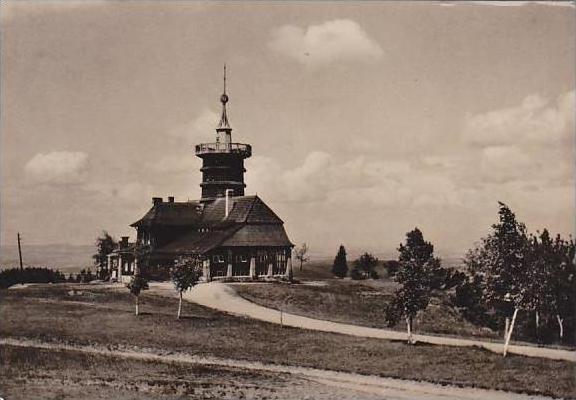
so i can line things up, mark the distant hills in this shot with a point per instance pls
(448, 260)
(67, 258)
(72, 258)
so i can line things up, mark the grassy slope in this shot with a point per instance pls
(359, 303)
(104, 316)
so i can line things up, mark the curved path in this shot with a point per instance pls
(388, 388)
(222, 297)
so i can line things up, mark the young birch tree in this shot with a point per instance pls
(185, 274)
(301, 254)
(504, 262)
(542, 260)
(417, 262)
(136, 285)
(563, 288)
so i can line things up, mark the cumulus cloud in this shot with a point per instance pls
(530, 143)
(536, 120)
(331, 41)
(58, 167)
(502, 163)
(197, 130)
(325, 179)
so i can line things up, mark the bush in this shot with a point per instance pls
(356, 274)
(391, 267)
(364, 267)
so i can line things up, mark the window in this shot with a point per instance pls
(218, 258)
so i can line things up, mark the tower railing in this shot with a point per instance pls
(236, 148)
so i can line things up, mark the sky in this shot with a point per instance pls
(366, 119)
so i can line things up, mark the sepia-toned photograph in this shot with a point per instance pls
(285, 200)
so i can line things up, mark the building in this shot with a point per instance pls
(235, 236)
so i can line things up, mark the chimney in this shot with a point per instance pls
(170, 199)
(123, 242)
(156, 200)
(227, 210)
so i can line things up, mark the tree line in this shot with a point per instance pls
(13, 276)
(523, 280)
(512, 281)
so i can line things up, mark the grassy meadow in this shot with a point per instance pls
(321, 295)
(99, 315)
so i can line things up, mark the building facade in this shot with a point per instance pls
(236, 237)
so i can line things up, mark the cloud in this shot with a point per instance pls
(14, 9)
(531, 143)
(58, 167)
(176, 164)
(514, 3)
(331, 41)
(536, 121)
(124, 192)
(502, 163)
(322, 178)
(197, 130)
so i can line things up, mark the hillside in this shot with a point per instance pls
(65, 257)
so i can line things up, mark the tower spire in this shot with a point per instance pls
(224, 124)
(224, 78)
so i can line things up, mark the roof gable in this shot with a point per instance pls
(193, 214)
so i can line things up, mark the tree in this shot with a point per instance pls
(541, 261)
(105, 244)
(391, 267)
(561, 292)
(136, 285)
(301, 254)
(511, 271)
(415, 278)
(468, 298)
(185, 274)
(502, 260)
(364, 267)
(340, 266)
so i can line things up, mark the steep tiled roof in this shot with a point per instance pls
(272, 235)
(250, 222)
(197, 242)
(172, 214)
(243, 209)
(249, 209)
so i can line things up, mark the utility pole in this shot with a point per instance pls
(20, 255)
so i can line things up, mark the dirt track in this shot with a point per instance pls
(345, 384)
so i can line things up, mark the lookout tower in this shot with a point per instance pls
(223, 161)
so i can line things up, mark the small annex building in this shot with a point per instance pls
(236, 236)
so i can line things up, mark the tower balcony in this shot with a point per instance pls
(245, 150)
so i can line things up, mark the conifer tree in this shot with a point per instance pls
(340, 266)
